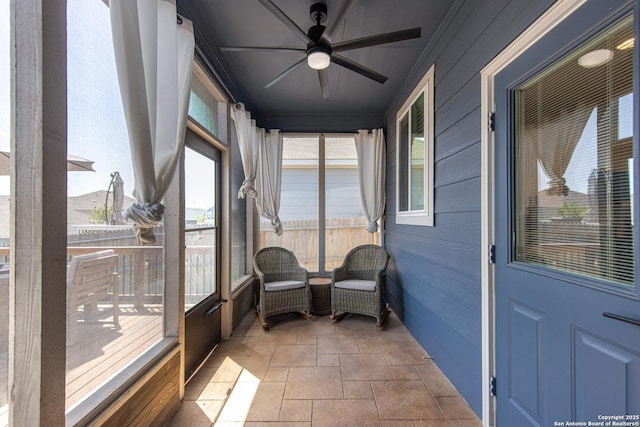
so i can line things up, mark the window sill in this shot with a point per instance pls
(240, 285)
(416, 219)
(104, 401)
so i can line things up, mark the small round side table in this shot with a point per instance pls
(320, 295)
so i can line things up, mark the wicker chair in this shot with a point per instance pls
(284, 285)
(358, 285)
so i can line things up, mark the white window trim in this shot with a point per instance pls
(423, 217)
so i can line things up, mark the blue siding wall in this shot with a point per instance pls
(434, 278)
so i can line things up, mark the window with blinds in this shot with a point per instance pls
(573, 161)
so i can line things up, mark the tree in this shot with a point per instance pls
(98, 215)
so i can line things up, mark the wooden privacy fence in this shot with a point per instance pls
(301, 236)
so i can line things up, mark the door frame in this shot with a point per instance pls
(545, 23)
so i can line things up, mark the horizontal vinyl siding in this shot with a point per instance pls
(299, 195)
(342, 193)
(434, 277)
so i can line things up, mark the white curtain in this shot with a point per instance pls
(269, 177)
(261, 154)
(372, 159)
(248, 140)
(554, 139)
(154, 55)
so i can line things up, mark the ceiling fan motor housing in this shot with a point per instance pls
(314, 34)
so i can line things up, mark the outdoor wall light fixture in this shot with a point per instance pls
(595, 58)
(318, 58)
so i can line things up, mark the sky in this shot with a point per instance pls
(96, 127)
(199, 177)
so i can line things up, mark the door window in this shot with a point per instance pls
(200, 227)
(574, 171)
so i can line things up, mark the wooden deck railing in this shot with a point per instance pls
(99, 350)
(141, 270)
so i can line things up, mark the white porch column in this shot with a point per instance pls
(38, 213)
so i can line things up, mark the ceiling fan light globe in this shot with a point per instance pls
(318, 60)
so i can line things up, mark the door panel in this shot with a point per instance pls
(566, 229)
(525, 376)
(202, 333)
(605, 373)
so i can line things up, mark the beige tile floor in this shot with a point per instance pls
(320, 373)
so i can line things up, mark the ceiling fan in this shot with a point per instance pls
(319, 50)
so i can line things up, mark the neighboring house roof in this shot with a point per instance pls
(304, 148)
(80, 208)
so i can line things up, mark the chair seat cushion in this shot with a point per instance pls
(283, 285)
(358, 285)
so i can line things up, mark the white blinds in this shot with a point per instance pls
(573, 165)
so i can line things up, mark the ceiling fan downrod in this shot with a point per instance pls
(317, 14)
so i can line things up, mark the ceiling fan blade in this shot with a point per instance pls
(335, 20)
(323, 76)
(395, 36)
(260, 49)
(278, 13)
(285, 72)
(360, 69)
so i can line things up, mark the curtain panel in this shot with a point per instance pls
(248, 142)
(554, 140)
(153, 50)
(261, 154)
(269, 177)
(372, 159)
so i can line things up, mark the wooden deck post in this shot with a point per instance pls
(138, 280)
